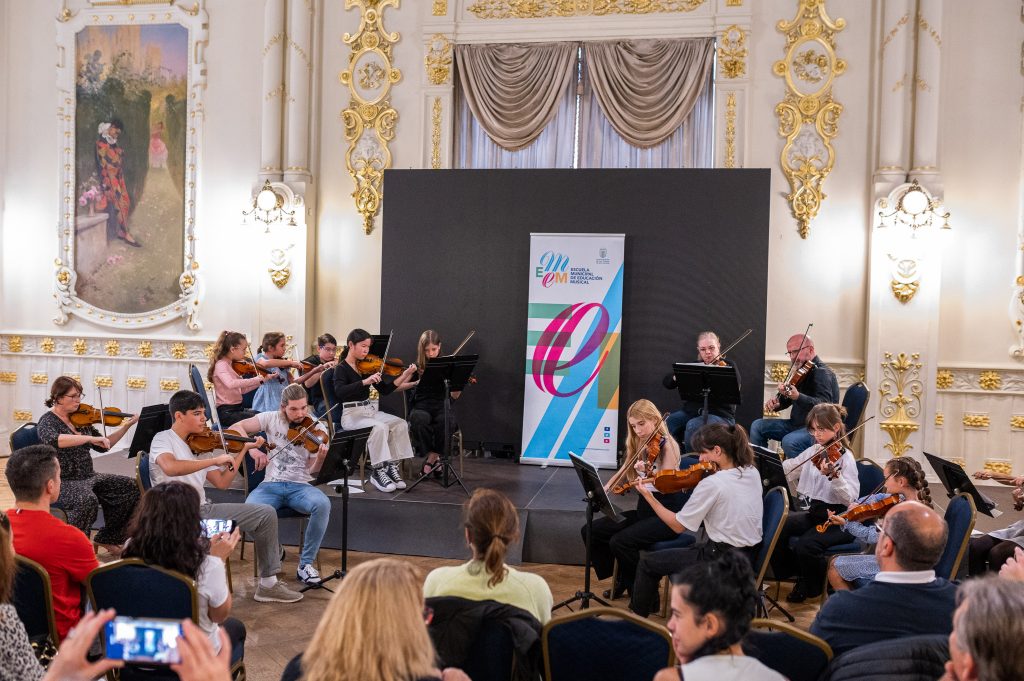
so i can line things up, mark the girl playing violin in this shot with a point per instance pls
(321, 361)
(389, 441)
(828, 486)
(271, 357)
(726, 508)
(426, 409)
(640, 528)
(903, 476)
(82, 489)
(231, 347)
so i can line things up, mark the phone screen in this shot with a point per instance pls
(214, 526)
(148, 641)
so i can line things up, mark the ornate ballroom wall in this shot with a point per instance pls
(931, 92)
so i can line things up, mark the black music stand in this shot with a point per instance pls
(152, 420)
(449, 374)
(345, 449)
(379, 343)
(956, 480)
(697, 382)
(769, 467)
(596, 498)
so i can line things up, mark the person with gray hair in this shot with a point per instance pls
(290, 468)
(987, 631)
(905, 598)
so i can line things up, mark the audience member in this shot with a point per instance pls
(1013, 568)
(64, 551)
(166, 531)
(712, 605)
(84, 490)
(905, 598)
(18, 660)
(491, 524)
(375, 627)
(198, 661)
(726, 510)
(985, 644)
(72, 660)
(175, 460)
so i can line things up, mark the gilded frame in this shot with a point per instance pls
(136, 13)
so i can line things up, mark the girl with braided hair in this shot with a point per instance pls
(712, 605)
(492, 525)
(903, 476)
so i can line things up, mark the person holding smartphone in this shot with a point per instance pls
(167, 531)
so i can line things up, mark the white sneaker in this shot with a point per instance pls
(278, 593)
(396, 475)
(308, 574)
(381, 480)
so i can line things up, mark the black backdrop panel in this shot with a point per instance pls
(456, 248)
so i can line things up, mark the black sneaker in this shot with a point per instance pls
(396, 475)
(797, 595)
(381, 480)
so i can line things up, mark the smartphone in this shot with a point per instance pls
(214, 526)
(143, 641)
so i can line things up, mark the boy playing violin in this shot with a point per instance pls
(175, 461)
(289, 470)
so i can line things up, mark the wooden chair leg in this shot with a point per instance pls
(665, 594)
(227, 568)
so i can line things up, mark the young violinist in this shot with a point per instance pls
(904, 477)
(231, 347)
(684, 423)
(271, 356)
(426, 408)
(389, 441)
(83, 491)
(725, 511)
(827, 485)
(322, 360)
(989, 552)
(289, 470)
(171, 458)
(641, 527)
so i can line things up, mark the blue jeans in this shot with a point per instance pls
(794, 440)
(301, 497)
(683, 424)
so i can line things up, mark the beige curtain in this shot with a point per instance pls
(515, 90)
(647, 88)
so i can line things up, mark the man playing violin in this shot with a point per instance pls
(684, 423)
(175, 461)
(289, 470)
(319, 362)
(818, 385)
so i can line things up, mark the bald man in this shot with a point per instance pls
(905, 598)
(819, 385)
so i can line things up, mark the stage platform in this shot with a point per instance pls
(428, 520)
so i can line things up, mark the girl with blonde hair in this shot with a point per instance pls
(374, 629)
(426, 408)
(642, 527)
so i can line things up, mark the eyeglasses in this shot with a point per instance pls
(73, 396)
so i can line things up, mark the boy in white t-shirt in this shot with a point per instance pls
(175, 461)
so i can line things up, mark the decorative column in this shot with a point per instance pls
(274, 91)
(732, 86)
(438, 101)
(299, 66)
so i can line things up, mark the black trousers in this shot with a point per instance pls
(806, 558)
(987, 553)
(625, 540)
(657, 564)
(426, 428)
(230, 414)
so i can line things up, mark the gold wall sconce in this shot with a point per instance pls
(908, 209)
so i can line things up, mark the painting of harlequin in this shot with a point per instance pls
(130, 120)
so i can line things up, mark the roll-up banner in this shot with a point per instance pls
(573, 341)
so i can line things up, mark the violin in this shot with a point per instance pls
(306, 435)
(246, 368)
(862, 512)
(208, 440)
(372, 364)
(798, 376)
(831, 454)
(87, 415)
(670, 482)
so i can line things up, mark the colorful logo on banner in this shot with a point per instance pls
(574, 340)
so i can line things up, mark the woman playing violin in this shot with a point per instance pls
(684, 423)
(641, 527)
(389, 441)
(83, 490)
(904, 477)
(426, 409)
(231, 346)
(271, 357)
(828, 485)
(725, 510)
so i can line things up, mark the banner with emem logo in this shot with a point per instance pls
(573, 341)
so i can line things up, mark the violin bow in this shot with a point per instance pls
(302, 433)
(215, 417)
(384, 357)
(463, 343)
(103, 421)
(248, 349)
(834, 440)
(792, 361)
(732, 345)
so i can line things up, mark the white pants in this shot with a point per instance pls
(389, 440)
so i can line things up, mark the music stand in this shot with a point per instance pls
(956, 480)
(152, 420)
(379, 343)
(697, 382)
(769, 467)
(447, 374)
(596, 497)
(345, 449)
